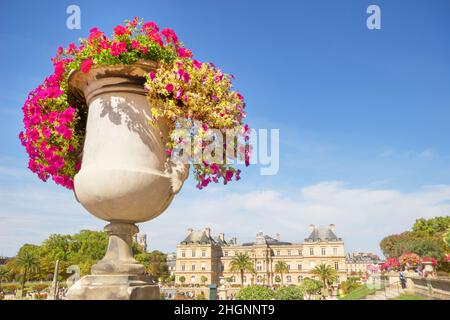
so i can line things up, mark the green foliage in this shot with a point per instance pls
(203, 279)
(311, 286)
(351, 284)
(39, 287)
(431, 227)
(155, 264)
(277, 279)
(281, 267)
(182, 279)
(325, 273)
(255, 292)
(427, 239)
(289, 293)
(358, 294)
(200, 296)
(241, 263)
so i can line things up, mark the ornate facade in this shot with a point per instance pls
(202, 258)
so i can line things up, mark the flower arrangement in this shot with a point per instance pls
(409, 259)
(391, 264)
(430, 259)
(188, 93)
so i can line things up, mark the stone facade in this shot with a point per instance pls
(357, 262)
(202, 258)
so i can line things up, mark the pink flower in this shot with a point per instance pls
(179, 93)
(152, 75)
(170, 36)
(121, 30)
(197, 64)
(169, 87)
(86, 65)
(118, 48)
(184, 53)
(150, 27)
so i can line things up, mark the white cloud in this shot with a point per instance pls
(362, 216)
(30, 211)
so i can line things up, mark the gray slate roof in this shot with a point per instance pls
(198, 237)
(322, 234)
(267, 240)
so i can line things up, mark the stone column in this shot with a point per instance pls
(118, 275)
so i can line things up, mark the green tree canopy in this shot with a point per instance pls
(325, 273)
(281, 267)
(289, 293)
(255, 292)
(241, 263)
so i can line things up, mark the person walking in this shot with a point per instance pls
(402, 278)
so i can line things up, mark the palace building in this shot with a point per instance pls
(203, 259)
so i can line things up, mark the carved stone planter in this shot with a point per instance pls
(125, 177)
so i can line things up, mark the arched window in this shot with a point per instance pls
(233, 279)
(244, 279)
(288, 279)
(300, 279)
(258, 279)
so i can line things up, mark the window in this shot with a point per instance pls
(299, 278)
(233, 279)
(193, 267)
(299, 267)
(335, 251)
(289, 267)
(324, 252)
(336, 265)
(258, 266)
(183, 267)
(225, 253)
(311, 251)
(289, 252)
(278, 252)
(312, 264)
(192, 279)
(300, 253)
(183, 254)
(244, 278)
(203, 266)
(259, 279)
(203, 253)
(193, 253)
(288, 279)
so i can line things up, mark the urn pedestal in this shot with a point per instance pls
(125, 176)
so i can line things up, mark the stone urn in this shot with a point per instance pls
(125, 176)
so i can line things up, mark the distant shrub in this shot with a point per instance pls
(255, 292)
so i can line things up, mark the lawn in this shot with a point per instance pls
(409, 297)
(359, 293)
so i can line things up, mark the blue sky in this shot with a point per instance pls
(363, 115)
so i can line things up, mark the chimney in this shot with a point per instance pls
(222, 237)
(208, 232)
(277, 236)
(311, 228)
(333, 227)
(189, 231)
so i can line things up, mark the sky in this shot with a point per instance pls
(363, 116)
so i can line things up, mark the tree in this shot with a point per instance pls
(241, 263)
(310, 286)
(4, 275)
(155, 264)
(203, 279)
(281, 267)
(277, 279)
(255, 292)
(431, 227)
(325, 273)
(182, 279)
(27, 263)
(289, 293)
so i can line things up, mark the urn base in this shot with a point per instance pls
(114, 287)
